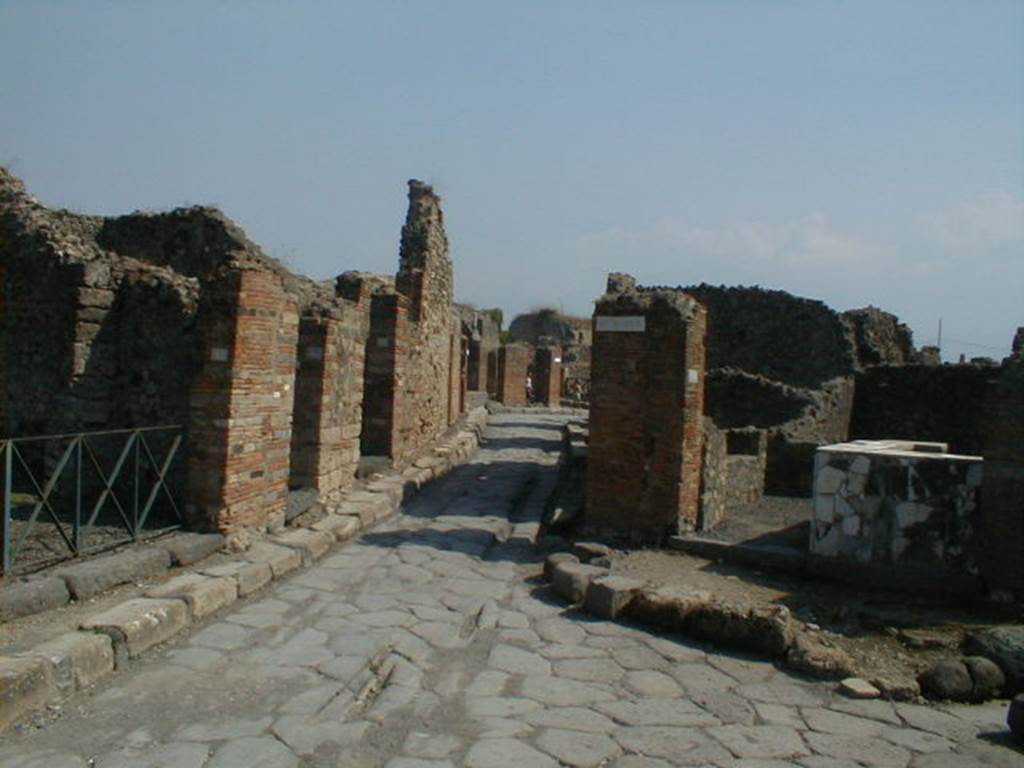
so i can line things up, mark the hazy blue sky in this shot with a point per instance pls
(856, 152)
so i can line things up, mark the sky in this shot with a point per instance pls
(854, 152)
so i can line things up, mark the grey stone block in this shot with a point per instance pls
(203, 594)
(281, 560)
(249, 576)
(25, 686)
(93, 577)
(609, 596)
(570, 580)
(34, 596)
(137, 625)
(77, 659)
(312, 544)
(340, 527)
(188, 548)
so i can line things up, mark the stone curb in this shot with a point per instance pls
(46, 674)
(768, 631)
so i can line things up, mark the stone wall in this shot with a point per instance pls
(922, 402)
(646, 430)
(908, 507)
(1003, 485)
(514, 361)
(733, 472)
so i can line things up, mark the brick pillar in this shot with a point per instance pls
(241, 402)
(492, 373)
(646, 403)
(548, 374)
(1003, 483)
(378, 423)
(513, 364)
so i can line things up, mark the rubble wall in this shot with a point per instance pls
(733, 471)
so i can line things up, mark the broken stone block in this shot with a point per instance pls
(76, 659)
(766, 629)
(665, 607)
(987, 679)
(814, 656)
(25, 686)
(340, 527)
(570, 580)
(858, 688)
(312, 544)
(203, 594)
(281, 560)
(1005, 646)
(609, 596)
(25, 598)
(188, 548)
(137, 625)
(85, 580)
(589, 550)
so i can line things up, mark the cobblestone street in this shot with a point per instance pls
(429, 641)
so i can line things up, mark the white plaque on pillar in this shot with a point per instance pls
(692, 376)
(621, 323)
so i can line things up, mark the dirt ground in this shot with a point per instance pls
(890, 635)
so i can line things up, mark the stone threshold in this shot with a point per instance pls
(32, 680)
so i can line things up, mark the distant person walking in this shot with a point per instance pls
(529, 388)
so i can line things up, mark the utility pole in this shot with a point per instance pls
(939, 342)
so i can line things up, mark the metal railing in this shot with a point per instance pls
(66, 495)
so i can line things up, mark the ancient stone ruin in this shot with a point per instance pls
(277, 382)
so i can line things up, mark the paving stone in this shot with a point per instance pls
(249, 576)
(782, 693)
(174, 755)
(828, 721)
(499, 706)
(77, 659)
(648, 682)
(189, 548)
(307, 734)
(780, 714)
(639, 761)
(195, 658)
(93, 577)
(582, 750)
(223, 636)
(425, 745)
(727, 706)
(204, 595)
(418, 762)
(563, 693)
(230, 730)
(683, 746)
(589, 670)
(917, 741)
(516, 661)
(559, 651)
(560, 630)
(25, 598)
(871, 709)
(935, 721)
(760, 741)
(281, 560)
(638, 657)
(137, 625)
(25, 686)
(253, 752)
(656, 712)
(866, 750)
(502, 753)
(46, 758)
(490, 682)
(571, 719)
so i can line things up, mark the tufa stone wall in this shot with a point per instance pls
(646, 406)
(734, 471)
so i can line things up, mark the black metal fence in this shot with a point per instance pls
(67, 495)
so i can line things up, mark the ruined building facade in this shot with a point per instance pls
(276, 381)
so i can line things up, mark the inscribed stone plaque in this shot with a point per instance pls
(621, 324)
(219, 354)
(692, 376)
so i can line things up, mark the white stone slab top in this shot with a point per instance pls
(900, 448)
